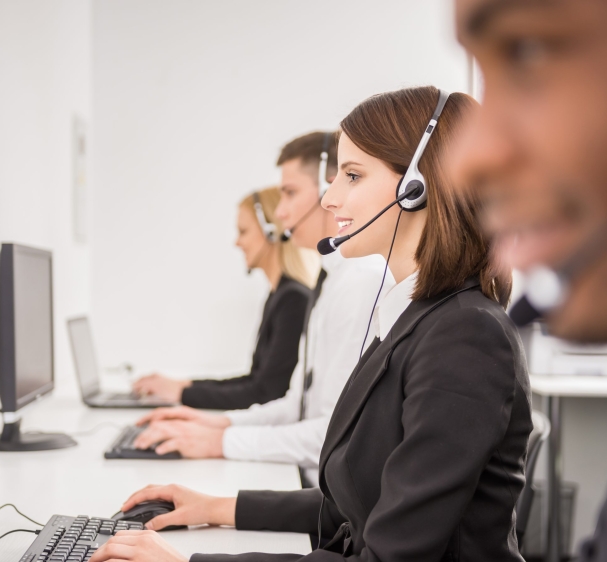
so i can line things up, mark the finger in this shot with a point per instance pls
(150, 436)
(130, 536)
(144, 419)
(162, 521)
(170, 445)
(151, 492)
(113, 551)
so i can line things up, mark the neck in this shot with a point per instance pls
(271, 267)
(402, 261)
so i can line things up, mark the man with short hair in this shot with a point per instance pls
(292, 429)
(536, 154)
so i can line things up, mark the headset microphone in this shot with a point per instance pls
(411, 192)
(546, 289)
(286, 235)
(323, 185)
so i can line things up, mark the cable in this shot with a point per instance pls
(22, 514)
(96, 428)
(90, 431)
(20, 531)
(383, 279)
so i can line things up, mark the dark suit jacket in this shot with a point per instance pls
(274, 358)
(424, 456)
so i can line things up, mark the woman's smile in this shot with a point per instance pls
(343, 224)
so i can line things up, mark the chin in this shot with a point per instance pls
(350, 249)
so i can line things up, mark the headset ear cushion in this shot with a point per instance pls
(416, 189)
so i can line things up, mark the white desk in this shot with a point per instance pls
(552, 389)
(79, 480)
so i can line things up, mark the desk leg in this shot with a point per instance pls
(553, 410)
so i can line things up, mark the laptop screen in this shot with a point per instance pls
(83, 351)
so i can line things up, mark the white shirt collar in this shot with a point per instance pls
(394, 303)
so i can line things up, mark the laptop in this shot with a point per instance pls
(87, 372)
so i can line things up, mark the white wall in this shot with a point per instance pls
(192, 102)
(45, 79)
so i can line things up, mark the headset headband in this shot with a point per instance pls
(323, 184)
(268, 228)
(413, 178)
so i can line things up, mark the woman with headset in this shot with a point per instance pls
(424, 456)
(276, 352)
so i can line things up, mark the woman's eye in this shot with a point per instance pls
(353, 177)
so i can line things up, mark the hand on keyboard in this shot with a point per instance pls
(191, 440)
(141, 546)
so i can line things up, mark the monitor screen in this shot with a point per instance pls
(27, 323)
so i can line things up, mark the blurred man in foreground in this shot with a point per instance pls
(537, 155)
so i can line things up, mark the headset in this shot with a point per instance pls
(269, 229)
(547, 289)
(323, 185)
(411, 191)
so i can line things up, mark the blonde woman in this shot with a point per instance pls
(275, 355)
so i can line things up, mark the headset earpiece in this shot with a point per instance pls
(268, 228)
(417, 198)
(413, 178)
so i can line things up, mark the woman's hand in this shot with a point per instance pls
(163, 387)
(192, 440)
(186, 413)
(137, 546)
(191, 508)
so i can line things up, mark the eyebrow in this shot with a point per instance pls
(349, 163)
(482, 17)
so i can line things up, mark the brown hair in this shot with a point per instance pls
(308, 149)
(295, 262)
(453, 245)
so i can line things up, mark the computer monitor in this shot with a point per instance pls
(26, 343)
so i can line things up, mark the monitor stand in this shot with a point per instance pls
(13, 440)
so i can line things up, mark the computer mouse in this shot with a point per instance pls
(147, 510)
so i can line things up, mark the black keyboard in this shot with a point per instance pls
(73, 539)
(123, 448)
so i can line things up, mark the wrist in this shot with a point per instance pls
(217, 440)
(223, 512)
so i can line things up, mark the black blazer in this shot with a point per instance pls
(274, 358)
(424, 456)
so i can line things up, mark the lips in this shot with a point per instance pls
(343, 224)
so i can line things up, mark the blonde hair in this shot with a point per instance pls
(297, 263)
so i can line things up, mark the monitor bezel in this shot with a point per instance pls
(8, 375)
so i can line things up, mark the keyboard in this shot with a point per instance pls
(123, 448)
(73, 539)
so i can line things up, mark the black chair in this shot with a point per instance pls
(539, 434)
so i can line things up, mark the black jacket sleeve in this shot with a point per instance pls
(299, 510)
(273, 362)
